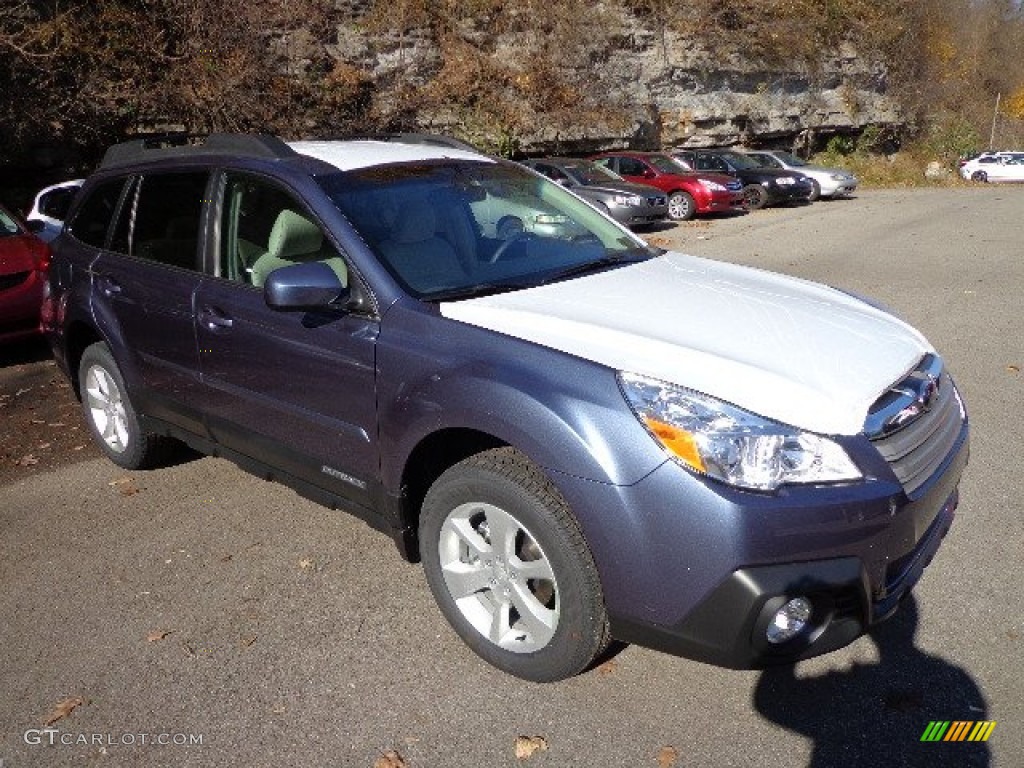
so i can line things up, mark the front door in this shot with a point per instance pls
(291, 389)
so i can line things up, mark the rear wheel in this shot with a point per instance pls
(109, 413)
(755, 196)
(979, 176)
(681, 206)
(510, 569)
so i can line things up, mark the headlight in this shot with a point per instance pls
(714, 186)
(732, 445)
(785, 181)
(626, 200)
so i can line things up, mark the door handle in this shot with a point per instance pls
(108, 286)
(214, 319)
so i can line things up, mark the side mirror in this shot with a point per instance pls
(309, 286)
(35, 226)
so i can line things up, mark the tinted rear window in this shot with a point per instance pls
(93, 218)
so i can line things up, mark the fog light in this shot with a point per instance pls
(789, 621)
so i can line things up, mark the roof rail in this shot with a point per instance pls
(432, 139)
(181, 144)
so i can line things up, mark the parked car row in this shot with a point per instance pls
(694, 181)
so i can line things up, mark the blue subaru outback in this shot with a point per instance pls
(581, 437)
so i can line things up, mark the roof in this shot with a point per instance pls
(348, 155)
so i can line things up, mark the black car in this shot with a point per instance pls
(628, 203)
(761, 186)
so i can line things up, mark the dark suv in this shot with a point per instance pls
(582, 437)
(761, 186)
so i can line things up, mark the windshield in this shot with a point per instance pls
(736, 160)
(790, 159)
(458, 228)
(591, 173)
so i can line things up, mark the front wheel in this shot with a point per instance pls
(509, 568)
(979, 176)
(681, 206)
(755, 196)
(109, 413)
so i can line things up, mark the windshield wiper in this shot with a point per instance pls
(610, 260)
(473, 291)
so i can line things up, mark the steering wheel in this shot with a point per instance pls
(500, 251)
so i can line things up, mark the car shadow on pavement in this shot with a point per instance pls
(22, 352)
(878, 713)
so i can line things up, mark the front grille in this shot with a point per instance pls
(12, 281)
(916, 422)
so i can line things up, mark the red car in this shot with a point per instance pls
(689, 192)
(24, 261)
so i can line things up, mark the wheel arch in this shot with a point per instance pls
(429, 459)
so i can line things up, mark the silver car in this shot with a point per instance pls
(828, 182)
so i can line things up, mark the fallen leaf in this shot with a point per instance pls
(43, 446)
(21, 392)
(125, 486)
(56, 424)
(1013, 368)
(390, 759)
(27, 461)
(157, 635)
(63, 709)
(527, 745)
(188, 649)
(608, 667)
(305, 563)
(247, 641)
(37, 421)
(667, 757)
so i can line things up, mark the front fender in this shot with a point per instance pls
(567, 414)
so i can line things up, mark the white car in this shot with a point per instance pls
(51, 206)
(994, 166)
(828, 182)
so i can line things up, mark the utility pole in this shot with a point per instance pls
(995, 117)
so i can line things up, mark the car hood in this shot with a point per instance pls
(798, 352)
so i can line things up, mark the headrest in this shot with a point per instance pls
(415, 223)
(294, 235)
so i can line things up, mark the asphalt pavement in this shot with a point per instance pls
(198, 616)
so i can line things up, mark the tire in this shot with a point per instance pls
(815, 191)
(110, 415)
(681, 206)
(530, 604)
(755, 196)
(979, 176)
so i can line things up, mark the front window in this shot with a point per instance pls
(8, 226)
(738, 161)
(450, 229)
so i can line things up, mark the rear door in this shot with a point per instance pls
(144, 285)
(296, 390)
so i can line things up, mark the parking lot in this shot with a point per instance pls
(198, 616)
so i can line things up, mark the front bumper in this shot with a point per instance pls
(718, 202)
(697, 569)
